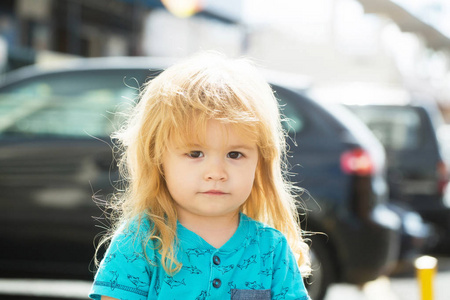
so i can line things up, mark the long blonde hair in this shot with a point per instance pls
(177, 104)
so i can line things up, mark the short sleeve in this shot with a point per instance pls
(125, 272)
(287, 281)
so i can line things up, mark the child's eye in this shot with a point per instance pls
(195, 154)
(234, 155)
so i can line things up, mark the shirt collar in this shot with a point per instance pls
(189, 239)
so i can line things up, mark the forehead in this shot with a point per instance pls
(220, 134)
(215, 133)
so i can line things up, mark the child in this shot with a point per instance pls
(202, 159)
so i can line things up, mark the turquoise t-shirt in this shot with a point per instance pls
(256, 263)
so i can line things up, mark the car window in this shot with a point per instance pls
(75, 104)
(397, 128)
(79, 104)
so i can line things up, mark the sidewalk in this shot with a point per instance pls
(374, 290)
(395, 288)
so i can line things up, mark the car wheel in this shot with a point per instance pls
(323, 271)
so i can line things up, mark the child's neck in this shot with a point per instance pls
(215, 231)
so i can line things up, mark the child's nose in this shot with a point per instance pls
(216, 171)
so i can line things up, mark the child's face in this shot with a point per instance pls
(211, 180)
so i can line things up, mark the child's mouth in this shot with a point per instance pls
(214, 192)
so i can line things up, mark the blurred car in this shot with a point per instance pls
(407, 125)
(416, 238)
(55, 154)
(444, 139)
(417, 172)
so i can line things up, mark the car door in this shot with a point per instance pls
(56, 168)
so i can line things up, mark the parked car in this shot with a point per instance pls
(55, 154)
(444, 139)
(407, 125)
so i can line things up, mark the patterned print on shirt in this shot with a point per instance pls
(254, 286)
(281, 295)
(134, 257)
(268, 272)
(157, 286)
(269, 254)
(197, 252)
(225, 269)
(203, 296)
(174, 283)
(232, 286)
(263, 230)
(247, 262)
(109, 258)
(113, 280)
(147, 271)
(192, 269)
(137, 281)
(291, 270)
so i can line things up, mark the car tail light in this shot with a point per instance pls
(443, 176)
(358, 162)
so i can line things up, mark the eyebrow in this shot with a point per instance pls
(242, 146)
(234, 146)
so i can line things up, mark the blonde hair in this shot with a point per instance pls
(177, 104)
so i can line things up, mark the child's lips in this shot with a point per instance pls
(214, 193)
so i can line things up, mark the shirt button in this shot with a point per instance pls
(216, 260)
(217, 283)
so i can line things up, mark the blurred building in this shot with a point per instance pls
(30, 29)
(72, 27)
(332, 41)
(329, 40)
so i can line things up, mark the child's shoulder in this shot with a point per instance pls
(137, 226)
(265, 231)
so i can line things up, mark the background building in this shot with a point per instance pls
(391, 43)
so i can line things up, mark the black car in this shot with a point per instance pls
(417, 171)
(407, 123)
(55, 155)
